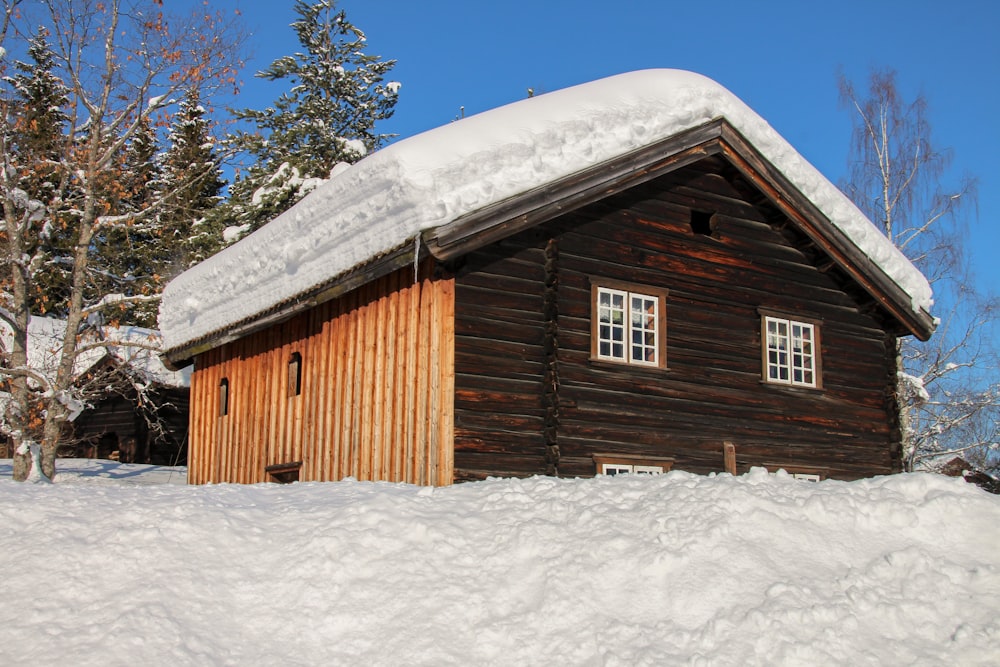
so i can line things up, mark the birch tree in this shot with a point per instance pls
(949, 387)
(122, 65)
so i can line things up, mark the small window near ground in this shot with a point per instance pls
(625, 464)
(790, 351)
(628, 325)
(616, 469)
(627, 469)
(805, 473)
(224, 397)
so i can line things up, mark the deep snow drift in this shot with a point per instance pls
(675, 569)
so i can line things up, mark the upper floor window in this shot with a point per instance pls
(791, 351)
(223, 397)
(295, 374)
(628, 324)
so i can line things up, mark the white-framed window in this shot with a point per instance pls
(790, 351)
(804, 473)
(628, 324)
(629, 469)
(630, 464)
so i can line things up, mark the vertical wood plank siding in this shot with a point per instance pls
(376, 390)
(712, 389)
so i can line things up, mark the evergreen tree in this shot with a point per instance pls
(128, 254)
(37, 120)
(328, 115)
(41, 110)
(192, 176)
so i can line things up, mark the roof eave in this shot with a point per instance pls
(181, 356)
(825, 234)
(497, 221)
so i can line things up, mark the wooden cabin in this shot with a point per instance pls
(694, 302)
(126, 428)
(109, 419)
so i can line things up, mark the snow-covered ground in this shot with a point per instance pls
(671, 570)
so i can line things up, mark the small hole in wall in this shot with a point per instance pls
(701, 222)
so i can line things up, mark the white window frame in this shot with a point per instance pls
(628, 324)
(614, 469)
(804, 473)
(631, 464)
(790, 350)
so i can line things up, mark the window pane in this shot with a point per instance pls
(612, 324)
(777, 350)
(644, 335)
(803, 364)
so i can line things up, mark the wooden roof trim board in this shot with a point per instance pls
(811, 221)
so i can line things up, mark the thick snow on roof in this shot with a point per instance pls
(435, 177)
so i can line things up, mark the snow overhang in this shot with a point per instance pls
(477, 177)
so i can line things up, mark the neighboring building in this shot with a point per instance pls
(625, 276)
(111, 417)
(959, 467)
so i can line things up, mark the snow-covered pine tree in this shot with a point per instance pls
(337, 95)
(35, 118)
(126, 255)
(191, 172)
(33, 122)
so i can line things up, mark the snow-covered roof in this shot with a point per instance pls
(433, 178)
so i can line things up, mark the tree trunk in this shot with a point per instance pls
(22, 462)
(50, 444)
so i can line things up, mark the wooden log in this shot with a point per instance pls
(729, 457)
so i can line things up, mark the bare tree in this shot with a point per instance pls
(949, 388)
(124, 63)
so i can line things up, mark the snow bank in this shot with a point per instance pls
(435, 177)
(676, 569)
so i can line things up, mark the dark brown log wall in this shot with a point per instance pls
(116, 428)
(711, 391)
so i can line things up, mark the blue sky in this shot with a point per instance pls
(781, 58)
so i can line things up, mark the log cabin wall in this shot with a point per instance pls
(375, 372)
(119, 425)
(720, 266)
(499, 359)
